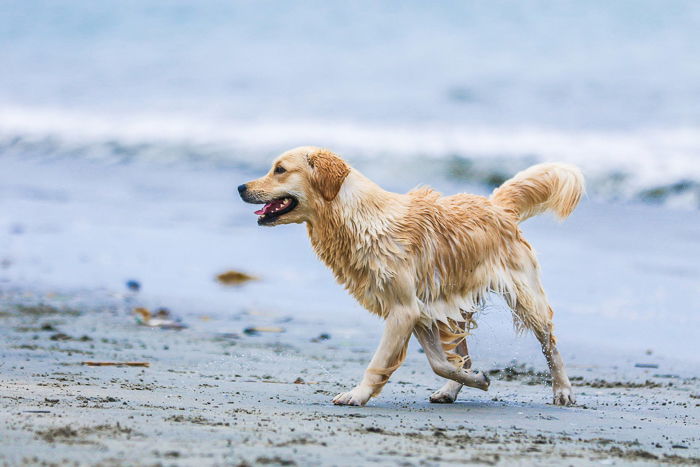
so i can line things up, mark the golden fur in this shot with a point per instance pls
(425, 262)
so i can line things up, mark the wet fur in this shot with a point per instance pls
(425, 262)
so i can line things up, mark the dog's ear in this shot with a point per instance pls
(327, 173)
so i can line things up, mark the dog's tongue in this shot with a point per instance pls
(269, 207)
(264, 210)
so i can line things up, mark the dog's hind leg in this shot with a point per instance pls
(448, 393)
(532, 311)
(429, 338)
(561, 386)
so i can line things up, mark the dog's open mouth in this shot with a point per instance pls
(276, 208)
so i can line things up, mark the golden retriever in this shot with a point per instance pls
(422, 261)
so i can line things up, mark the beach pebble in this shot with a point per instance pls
(321, 337)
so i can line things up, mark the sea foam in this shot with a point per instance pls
(654, 164)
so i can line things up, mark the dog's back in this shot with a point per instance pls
(464, 246)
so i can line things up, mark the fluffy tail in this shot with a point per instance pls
(553, 187)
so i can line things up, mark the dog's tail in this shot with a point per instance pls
(553, 187)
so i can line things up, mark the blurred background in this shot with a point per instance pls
(613, 87)
(125, 127)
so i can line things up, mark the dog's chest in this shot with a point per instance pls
(364, 260)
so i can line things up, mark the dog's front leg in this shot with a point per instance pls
(391, 353)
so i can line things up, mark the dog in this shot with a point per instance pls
(423, 262)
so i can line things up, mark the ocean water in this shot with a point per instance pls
(125, 127)
(449, 91)
(623, 279)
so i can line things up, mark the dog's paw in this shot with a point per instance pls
(442, 397)
(446, 394)
(474, 379)
(564, 396)
(358, 396)
(483, 379)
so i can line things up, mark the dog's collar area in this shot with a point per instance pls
(276, 208)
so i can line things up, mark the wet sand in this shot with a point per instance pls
(231, 398)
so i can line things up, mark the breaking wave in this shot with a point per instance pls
(660, 165)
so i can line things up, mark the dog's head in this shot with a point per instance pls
(300, 181)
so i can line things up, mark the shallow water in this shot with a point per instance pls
(623, 279)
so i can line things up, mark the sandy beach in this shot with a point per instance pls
(236, 399)
(216, 393)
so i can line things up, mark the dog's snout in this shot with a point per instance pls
(242, 188)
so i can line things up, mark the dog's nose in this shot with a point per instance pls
(242, 188)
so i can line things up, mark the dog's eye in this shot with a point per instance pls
(280, 170)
